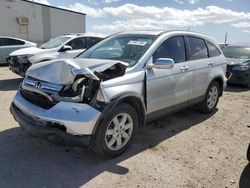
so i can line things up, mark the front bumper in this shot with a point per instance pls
(42, 129)
(17, 67)
(239, 78)
(73, 119)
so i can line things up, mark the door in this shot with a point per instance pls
(169, 87)
(78, 45)
(199, 64)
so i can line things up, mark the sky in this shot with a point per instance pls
(211, 17)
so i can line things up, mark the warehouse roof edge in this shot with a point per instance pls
(32, 2)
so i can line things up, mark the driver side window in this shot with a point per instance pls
(173, 48)
(78, 43)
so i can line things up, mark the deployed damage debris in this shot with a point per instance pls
(76, 81)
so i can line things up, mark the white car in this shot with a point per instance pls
(62, 47)
(10, 44)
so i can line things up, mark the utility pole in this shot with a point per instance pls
(225, 42)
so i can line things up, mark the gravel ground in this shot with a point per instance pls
(189, 150)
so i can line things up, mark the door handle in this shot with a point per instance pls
(210, 63)
(184, 68)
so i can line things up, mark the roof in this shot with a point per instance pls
(32, 2)
(244, 45)
(85, 34)
(16, 38)
(160, 32)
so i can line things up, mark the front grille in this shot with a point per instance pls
(14, 61)
(37, 99)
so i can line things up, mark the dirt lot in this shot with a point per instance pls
(190, 150)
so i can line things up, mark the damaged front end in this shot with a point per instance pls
(70, 82)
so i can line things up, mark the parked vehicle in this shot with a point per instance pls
(10, 44)
(238, 64)
(66, 46)
(101, 98)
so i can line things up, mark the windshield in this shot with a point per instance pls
(237, 52)
(124, 47)
(54, 43)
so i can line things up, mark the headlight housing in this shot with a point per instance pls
(242, 67)
(22, 59)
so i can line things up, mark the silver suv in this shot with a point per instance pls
(102, 97)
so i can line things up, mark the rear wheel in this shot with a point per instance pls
(114, 135)
(248, 153)
(211, 98)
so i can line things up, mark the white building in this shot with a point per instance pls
(37, 22)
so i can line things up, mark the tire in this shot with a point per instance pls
(248, 85)
(211, 99)
(115, 133)
(248, 153)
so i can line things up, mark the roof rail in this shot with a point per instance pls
(78, 34)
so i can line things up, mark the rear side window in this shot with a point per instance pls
(92, 41)
(197, 48)
(10, 42)
(212, 49)
(173, 48)
(78, 43)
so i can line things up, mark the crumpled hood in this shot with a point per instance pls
(64, 71)
(27, 51)
(236, 61)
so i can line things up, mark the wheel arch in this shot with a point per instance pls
(219, 79)
(129, 98)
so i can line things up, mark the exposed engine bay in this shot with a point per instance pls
(84, 88)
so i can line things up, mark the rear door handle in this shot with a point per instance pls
(184, 68)
(210, 63)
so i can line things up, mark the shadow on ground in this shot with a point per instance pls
(10, 84)
(236, 88)
(25, 160)
(245, 177)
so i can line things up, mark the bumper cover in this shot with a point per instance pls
(41, 129)
(78, 119)
(239, 78)
(16, 67)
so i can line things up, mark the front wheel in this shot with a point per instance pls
(248, 153)
(211, 99)
(115, 133)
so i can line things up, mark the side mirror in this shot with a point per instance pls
(66, 48)
(162, 63)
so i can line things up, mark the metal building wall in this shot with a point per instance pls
(44, 22)
(10, 10)
(67, 22)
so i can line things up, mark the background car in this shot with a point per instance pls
(238, 64)
(10, 44)
(65, 46)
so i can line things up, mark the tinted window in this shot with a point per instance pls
(10, 42)
(173, 48)
(92, 41)
(78, 43)
(213, 51)
(197, 48)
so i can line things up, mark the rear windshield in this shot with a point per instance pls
(237, 52)
(122, 47)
